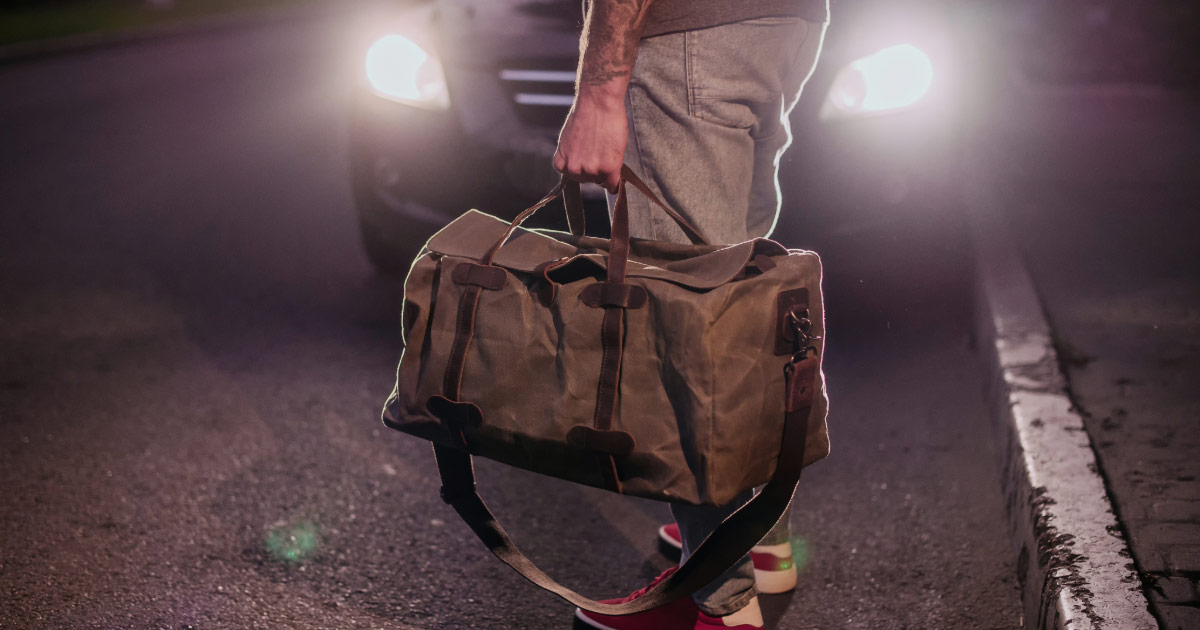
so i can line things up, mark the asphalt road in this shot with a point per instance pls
(193, 353)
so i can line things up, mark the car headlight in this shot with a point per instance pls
(893, 79)
(400, 70)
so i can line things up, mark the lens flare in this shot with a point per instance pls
(894, 78)
(800, 552)
(293, 542)
(400, 69)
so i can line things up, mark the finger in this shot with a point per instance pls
(611, 180)
(574, 175)
(560, 162)
(581, 175)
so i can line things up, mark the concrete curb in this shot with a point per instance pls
(1073, 562)
(30, 51)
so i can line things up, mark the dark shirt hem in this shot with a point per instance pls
(673, 16)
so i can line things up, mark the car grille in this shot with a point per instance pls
(542, 93)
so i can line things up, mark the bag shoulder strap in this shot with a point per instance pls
(727, 544)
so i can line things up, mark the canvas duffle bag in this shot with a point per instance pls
(684, 373)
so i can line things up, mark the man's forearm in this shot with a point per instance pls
(592, 143)
(608, 47)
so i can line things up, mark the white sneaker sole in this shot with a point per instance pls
(589, 621)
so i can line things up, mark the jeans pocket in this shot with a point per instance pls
(735, 72)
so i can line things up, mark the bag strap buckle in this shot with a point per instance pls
(801, 328)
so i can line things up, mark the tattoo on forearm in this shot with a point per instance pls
(608, 46)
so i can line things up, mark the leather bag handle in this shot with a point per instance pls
(689, 230)
(573, 201)
(574, 207)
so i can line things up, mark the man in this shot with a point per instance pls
(694, 96)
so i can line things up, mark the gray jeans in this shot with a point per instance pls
(707, 126)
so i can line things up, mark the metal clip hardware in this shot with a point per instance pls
(802, 335)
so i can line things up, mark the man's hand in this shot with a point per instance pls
(591, 147)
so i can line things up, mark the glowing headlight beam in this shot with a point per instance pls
(399, 69)
(894, 78)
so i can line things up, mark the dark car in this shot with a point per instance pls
(461, 102)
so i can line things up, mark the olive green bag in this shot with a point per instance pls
(684, 373)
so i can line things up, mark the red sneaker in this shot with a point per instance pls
(774, 567)
(681, 614)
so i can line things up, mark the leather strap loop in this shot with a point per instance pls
(608, 470)
(458, 417)
(608, 442)
(802, 389)
(547, 288)
(764, 263)
(612, 336)
(609, 294)
(484, 276)
(464, 330)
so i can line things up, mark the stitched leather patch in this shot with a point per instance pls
(486, 276)
(609, 294)
(460, 415)
(764, 263)
(801, 384)
(607, 442)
